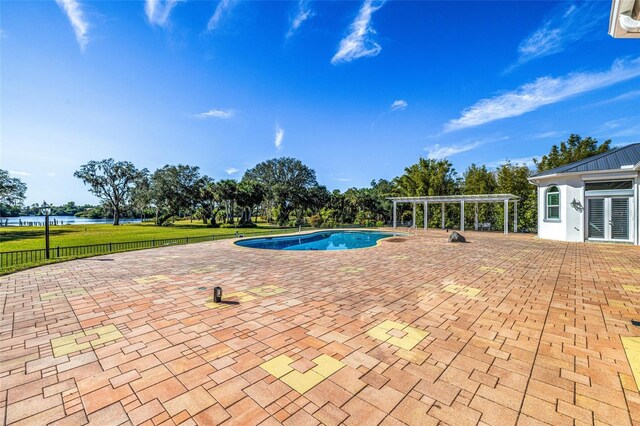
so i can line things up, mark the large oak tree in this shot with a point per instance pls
(111, 181)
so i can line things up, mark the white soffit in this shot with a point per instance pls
(624, 21)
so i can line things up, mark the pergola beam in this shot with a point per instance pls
(462, 199)
(426, 214)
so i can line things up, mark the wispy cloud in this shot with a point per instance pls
(342, 179)
(51, 174)
(623, 97)
(543, 91)
(224, 6)
(566, 25)
(19, 173)
(550, 134)
(303, 12)
(216, 113)
(438, 151)
(158, 11)
(231, 170)
(279, 136)
(399, 105)
(77, 19)
(359, 42)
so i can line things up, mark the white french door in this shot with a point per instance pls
(609, 219)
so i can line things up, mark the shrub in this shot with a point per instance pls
(315, 220)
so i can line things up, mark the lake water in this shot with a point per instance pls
(60, 220)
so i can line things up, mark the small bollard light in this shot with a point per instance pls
(217, 294)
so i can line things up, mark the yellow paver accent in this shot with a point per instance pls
(152, 279)
(239, 296)
(61, 293)
(391, 325)
(68, 344)
(246, 296)
(469, 292)
(326, 366)
(623, 269)
(350, 269)
(632, 348)
(619, 304)
(492, 269)
(213, 305)
(278, 366)
(407, 342)
(631, 288)
(302, 382)
(378, 333)
(267, 290)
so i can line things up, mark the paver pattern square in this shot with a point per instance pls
(503, 330)
(407, 339)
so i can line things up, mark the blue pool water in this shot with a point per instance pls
(323, 240)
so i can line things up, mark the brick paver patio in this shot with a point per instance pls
(504, 330)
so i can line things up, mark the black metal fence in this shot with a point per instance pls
(13, 258)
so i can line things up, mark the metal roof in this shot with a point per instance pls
(480, 198)
(614, 159)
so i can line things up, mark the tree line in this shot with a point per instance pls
(285, 191)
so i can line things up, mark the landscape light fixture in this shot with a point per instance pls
(46, 211)
(217, 294)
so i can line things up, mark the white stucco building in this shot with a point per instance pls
(595, 199)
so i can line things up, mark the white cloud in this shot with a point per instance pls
(158, 11)
(399, 105)
(543, 91)
(568, 24)
(438, 151)
(359, 41)
(51, 174)
(231, 170)
(279, 136)
(303, 12)
(18, 173)
(217, 113)
(550, 134)
(224, 6)
(78, 22)
(342, 179)
(623, 97)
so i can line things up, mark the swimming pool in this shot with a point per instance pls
(323, 240)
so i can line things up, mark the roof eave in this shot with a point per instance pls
(592, 172)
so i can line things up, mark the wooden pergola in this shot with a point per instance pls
(462, 199)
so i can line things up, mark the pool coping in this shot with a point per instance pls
(378, 243)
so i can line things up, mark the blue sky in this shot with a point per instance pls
(357, 90)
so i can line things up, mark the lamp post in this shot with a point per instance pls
(46, 210)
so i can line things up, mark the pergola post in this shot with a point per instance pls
(413, 224)
(442, 215)
(426, 214)
(461, 215)
(394, 213)
(506, 217)
(515, 216)
(475, 221)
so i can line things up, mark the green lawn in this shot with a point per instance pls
(28, 238)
